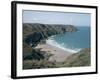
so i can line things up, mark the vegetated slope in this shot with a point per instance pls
(49, 29)
(35, 33)
(81, 58)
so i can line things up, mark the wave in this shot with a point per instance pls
(52, 42)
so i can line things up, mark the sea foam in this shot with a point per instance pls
(52, 42)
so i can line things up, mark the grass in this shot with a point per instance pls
(81, 58)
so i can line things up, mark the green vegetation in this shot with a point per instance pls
(81, 58)
(34, 34)
(37, 64)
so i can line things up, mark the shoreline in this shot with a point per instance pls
(55, 44)
(59, 54)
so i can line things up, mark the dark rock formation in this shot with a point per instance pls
(33, 38)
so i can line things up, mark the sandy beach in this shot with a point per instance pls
(58, 54)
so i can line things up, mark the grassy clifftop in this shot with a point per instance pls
(49, 29)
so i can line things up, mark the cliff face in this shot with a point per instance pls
(35, 32)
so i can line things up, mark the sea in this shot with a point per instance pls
(72, 41)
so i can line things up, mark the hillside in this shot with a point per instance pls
(49, 29)
(81, 58)
(33, 33)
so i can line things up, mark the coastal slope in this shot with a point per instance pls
(33, 33)
(37, 54)
(82, 58)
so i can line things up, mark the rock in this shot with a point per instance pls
(33, 38)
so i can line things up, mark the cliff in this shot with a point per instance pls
(33, 33)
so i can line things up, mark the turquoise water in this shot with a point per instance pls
(72, 41)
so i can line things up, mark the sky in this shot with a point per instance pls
(48, 17)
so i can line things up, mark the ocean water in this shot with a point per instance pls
(72, 41)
